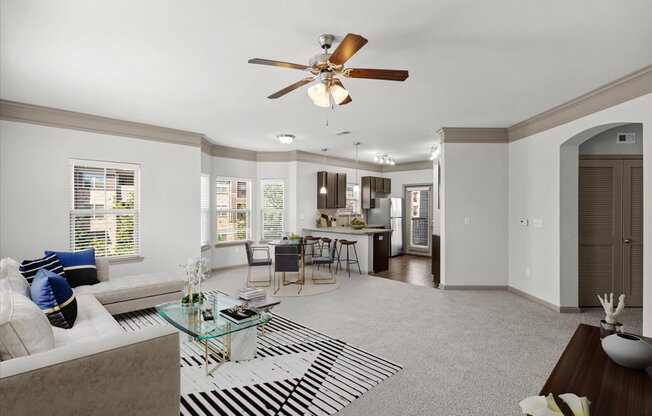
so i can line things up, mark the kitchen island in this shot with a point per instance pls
(372, 246)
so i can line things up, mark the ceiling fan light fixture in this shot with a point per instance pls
(322, 101)
(339, 93)
(285, 138)
(317, 90)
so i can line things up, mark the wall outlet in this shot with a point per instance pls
(467, 220)
(537, 223)
(302, 217)
(523, 222)
(527, 272)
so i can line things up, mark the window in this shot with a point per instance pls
(352, 198)
(105, 208)
(204, 209)
(272, 205)
(233, 202)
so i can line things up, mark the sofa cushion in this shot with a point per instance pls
(120, 289)
(11, 279)
(24, 329)
(79, 266)
(93, 320)
(53, 294)
(102, 265)
(28, 268)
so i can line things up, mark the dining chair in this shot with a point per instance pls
(328, 259)
(254, 262)
(287, 259)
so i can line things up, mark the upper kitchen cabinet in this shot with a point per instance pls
(335, 184)
(371, 186)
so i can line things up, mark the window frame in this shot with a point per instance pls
(263, 209)
(219, 209)
(205, 213)
(80, 212)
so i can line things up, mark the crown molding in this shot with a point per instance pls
(616, 92)
(53, 117)
(472, 135)
(232, 153)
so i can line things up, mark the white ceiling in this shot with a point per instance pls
(183, 64)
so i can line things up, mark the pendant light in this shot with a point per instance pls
(323, 190)
(356, 186)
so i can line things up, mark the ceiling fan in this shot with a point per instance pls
(326, 67)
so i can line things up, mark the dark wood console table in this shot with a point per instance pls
(584, 369)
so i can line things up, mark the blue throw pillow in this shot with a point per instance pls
(54, 296)
(79, 266)
(28, 268)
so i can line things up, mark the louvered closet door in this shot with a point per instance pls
(600, 229)
(633, 232)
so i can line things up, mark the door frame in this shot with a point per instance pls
(425, 253)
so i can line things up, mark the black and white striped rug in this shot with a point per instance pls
(297, 371)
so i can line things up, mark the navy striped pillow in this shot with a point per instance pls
(28, 268)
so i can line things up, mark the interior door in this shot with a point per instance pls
(611, 230)
(633, 232)
(600, 223)
(418, 219)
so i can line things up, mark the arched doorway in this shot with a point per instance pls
(569, 213)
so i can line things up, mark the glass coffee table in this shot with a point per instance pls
(190, 319)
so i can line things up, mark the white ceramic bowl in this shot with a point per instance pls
(628, 351)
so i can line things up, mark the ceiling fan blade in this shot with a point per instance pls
(279, 64)
(384, 74)
(348, 98)
(347, 48)
(292, 87)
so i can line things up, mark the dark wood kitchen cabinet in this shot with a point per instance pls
(381, 252)
(335, 184)
(371, 186)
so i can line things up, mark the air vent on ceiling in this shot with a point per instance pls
(343, 133)
(626, 138)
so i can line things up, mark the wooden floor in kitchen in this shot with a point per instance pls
(409, 269)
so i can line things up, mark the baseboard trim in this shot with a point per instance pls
(472, 287)
(551, 306)
(234, 266)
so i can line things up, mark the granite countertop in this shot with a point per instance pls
(347, 230)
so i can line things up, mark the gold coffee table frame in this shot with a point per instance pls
(189, 319)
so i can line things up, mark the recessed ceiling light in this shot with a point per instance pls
(343, 133)
(285, 138)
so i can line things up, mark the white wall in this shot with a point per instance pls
(534, 192)
(605, 142)
(35, 193)
(474, 186)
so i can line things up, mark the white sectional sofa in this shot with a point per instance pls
(95, 367)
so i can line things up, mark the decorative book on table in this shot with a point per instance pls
(251, 293)
(239, 317)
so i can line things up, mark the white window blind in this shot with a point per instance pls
(105, 208)
(204, 209)
(232, 203)
(272, 205)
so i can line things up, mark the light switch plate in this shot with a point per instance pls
(467, 220)
(537, 223)
(523, 222)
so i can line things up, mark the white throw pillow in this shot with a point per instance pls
(102, 266)
(24, 328)
(12, 279)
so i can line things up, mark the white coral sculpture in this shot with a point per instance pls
(608, 305)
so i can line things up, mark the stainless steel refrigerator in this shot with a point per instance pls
(389, 214)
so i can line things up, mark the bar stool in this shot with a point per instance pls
(325, 241)
(312, 242)
(348, 261)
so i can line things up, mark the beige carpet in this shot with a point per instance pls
(463, 352)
